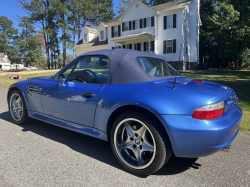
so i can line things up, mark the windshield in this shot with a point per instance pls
(156, 67)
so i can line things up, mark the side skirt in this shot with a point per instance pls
(69, 125)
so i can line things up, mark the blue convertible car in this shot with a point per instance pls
(135, 100)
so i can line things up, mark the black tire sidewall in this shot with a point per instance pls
(163, 147)
(25, 118)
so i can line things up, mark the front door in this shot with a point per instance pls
(75, 99)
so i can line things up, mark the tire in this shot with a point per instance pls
(23, 117)
(139, 143)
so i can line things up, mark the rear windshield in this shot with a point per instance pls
(156, 67)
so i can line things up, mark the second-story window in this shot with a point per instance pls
(102, 35)
(116, 31)
(148, 22)
(85, 38)
(170, 21)
(137, 24)
(126, 26)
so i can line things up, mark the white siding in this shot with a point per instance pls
(169, 34)
(134, 13)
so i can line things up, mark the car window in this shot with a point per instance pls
(156, 67)
(91, 69)
(67, 70)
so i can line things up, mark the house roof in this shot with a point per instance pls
(2, 58)
(94, 42)
(92, 29)
(115, 19)
(140, 35)
(173, 5)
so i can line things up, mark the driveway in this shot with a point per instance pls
(40, 154)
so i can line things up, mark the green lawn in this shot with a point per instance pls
(5, 82)
(237, 80)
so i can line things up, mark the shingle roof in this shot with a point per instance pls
(93, 29)
(162, 7)
(2, 58)
(171, 5)
(94, 42)
(115, 19)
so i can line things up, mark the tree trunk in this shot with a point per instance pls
(51, 52)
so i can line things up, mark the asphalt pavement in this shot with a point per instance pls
(40, 154)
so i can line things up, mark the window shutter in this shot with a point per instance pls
(112, 31)
(152, 45)
(134, 25)
(174, 46)
(130, 46)
(164, 47)
(165, 22)
(119, 30)
(174, 21)
(145, 46)
(140, 23)
(123, 46)
(130, 25)
(145, 22)
(123, 25)
(152, 21)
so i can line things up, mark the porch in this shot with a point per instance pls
(140, 41)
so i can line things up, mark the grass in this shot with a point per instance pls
(5, 82)
(237, 80)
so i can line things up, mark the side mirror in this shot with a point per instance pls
(61, 78)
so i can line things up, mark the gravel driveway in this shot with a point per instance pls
(40, 154)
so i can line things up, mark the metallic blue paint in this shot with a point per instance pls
(68, 108)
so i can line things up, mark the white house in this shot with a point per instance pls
(170, 30)
(4, 62)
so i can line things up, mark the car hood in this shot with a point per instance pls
(218, 91)
(40, 78)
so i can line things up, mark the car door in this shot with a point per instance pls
(75, 99)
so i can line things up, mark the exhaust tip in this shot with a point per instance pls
(227, 148)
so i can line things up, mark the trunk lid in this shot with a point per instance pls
(218, 91)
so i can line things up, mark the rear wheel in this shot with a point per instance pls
(139, 144)
(17, 108)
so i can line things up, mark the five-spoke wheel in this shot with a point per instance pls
(135, 143)
(17, 108)
(139, 143)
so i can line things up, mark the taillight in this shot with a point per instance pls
(209, 111)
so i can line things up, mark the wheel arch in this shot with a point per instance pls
(15, 87)
(124, 108)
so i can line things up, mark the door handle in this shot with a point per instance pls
(88, 94)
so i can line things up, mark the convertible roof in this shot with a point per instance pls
(123, 66)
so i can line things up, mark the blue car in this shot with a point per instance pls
(136, 101)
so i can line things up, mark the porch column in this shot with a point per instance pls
(135, 44)
(149, 44)
(126, 44)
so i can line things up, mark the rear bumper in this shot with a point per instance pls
(196, 138)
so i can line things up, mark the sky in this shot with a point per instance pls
(10, 10)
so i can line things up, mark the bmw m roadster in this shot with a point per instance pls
(135, 100)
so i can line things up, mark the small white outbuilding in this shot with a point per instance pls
(4, 62)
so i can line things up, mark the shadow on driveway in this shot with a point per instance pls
(95, 148)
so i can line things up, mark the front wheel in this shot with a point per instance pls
(139, 144)
(17, 108)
